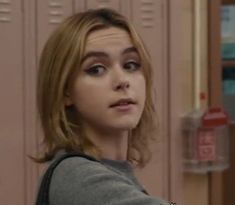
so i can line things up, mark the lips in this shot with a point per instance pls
(123, 102)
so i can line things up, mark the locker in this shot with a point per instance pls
(11, 94)
(148, 17)
(92, 4)
(49, 14)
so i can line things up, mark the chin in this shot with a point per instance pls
(126, 125)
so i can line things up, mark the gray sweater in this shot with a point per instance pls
(79, 181)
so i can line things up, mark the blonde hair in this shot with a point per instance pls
(59, 61)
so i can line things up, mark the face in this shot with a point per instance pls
(109, 90)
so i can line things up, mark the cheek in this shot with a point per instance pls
(87, 96)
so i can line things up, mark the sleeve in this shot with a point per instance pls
(80, 181)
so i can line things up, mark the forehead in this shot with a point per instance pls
(108, 36)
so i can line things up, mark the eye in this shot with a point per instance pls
(132, 65)
(96, 70)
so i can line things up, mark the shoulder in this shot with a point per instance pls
(76, 165)
(79, 169)
(77, 180)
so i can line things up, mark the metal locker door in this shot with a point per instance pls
(150, 19)
(11, 110)
(122, 6)
(93, 4)
(49, 14)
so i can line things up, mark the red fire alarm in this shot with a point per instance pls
(206, 141)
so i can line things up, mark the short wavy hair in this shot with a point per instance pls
(59, 61)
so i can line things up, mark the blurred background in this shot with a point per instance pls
(192, 45)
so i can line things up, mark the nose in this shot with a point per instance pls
(120, 80)
(122, 85)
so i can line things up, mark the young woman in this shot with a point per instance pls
(95, 98)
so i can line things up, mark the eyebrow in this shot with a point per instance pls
(103, 54)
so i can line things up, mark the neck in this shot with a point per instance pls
(113, 145)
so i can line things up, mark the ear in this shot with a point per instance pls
(67, 99)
